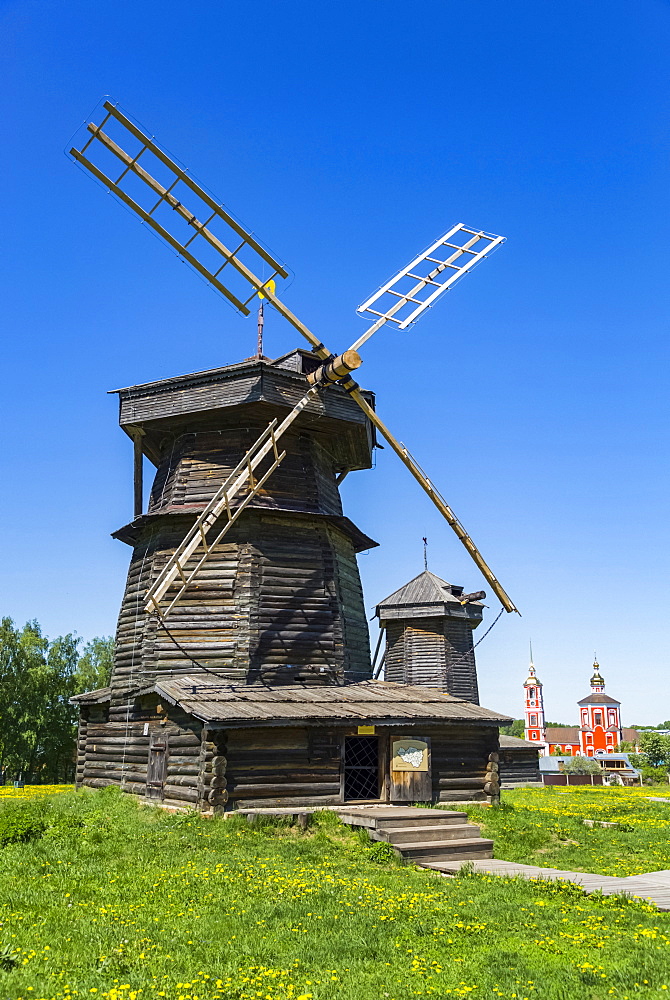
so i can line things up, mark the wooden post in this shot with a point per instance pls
(138, 459)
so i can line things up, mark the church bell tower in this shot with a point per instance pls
(535, 731)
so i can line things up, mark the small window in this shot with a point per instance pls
(533, 720)
(531, 692)
(598, 718)
(568, 750)
(589, 738)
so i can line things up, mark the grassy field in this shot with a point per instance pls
(119, 902)
(544, 826)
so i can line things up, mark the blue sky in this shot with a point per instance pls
(348, 136)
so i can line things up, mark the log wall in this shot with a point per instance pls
(283, 767)
(519, 765)
(301, 766)
(432, 652)
(195, 464)
(276, 766)
(279, 601)
(117, 752)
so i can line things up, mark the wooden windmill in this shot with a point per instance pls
(244, 565)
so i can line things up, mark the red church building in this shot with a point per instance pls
(599, 730)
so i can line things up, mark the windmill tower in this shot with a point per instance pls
(279, 600)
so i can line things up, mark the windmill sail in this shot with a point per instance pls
(179, 210)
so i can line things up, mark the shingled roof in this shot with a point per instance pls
(515, 743)
(425, 595)
(564, 734)
(370, 702)
(98, 697)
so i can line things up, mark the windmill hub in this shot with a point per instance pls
(336, 369)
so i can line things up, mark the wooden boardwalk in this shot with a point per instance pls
(652, 886)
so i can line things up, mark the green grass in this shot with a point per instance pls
(545, 827)
(118, 901)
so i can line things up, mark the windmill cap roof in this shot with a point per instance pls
(426, 588)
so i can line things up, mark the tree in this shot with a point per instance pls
(582, 765)
(51, 719)
(38, 725)
(516, 728)
(95, 664)
(656, 749)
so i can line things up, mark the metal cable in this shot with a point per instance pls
(481, 639)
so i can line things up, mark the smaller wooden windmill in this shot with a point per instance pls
(428, 624)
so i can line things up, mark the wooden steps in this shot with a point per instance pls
(430, 836)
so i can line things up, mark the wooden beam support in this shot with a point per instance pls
(138, 482)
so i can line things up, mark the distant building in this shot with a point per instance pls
(535, 728)
(599, 730)
(616, 767)
(519, 762)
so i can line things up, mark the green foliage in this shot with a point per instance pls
(166, 906)
(8, 958)
(516, 728)
(582, 765)
(382, 853)
(94, 668)
(656, 749)
(21, 822)
(654, 774)
(38, 677)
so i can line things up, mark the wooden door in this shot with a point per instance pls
(411, 779)
(157, 766)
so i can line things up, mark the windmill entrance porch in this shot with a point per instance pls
(190, 742)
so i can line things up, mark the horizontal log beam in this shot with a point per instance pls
(259, 791)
